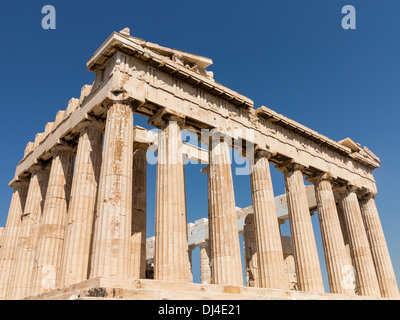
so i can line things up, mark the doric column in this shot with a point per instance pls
(367, 283)
(46, 267)
(171, 245)
(380, 253)
(250, 252)
(332, 238)
(11, 234)
(112, 233)
(308, 271)
(271, 269)
(205, 268)
(139, 205)
(288, 258)
(21, 277)
(224, 239)
(345, 234)
(190, 252)
(78, 232)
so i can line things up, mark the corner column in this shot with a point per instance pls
(46, 267)
(380, 253)
(171, 260)
(11, 234)
(112, 233)
(21, 278)
(332, 237)
(367, 282)
(78, 233)
(308, 270)
(224, 239)
(271, 268)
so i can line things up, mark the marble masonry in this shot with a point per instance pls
(76, 226)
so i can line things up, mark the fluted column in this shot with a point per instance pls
(112, 235)
(308, 270)
(205, 268)
(139, 203)
(271, 268)
(190, 252)
(250, 252)
(78, 232)
(380, 253)
(11, 234)
(171, 260)
(290, 265)
(224, 239)
(367, 283)
(21, 277)
(332, 238)
(46, 267)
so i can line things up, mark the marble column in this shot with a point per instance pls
(347, 261)
(332, 238)
(112, 234)
(11, 234)
(224, 239)
(205, 268)
(290, 265)
(271, 269)
(139, 207)
(380, 253)
(250, 252)
(171, 260)
(21, 277)
(190, 252)
(78, 232)
(308, 270)
(367, 282)
(48, 255)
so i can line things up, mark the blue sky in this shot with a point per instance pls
(292, 56)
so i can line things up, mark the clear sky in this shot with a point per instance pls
(292, 56)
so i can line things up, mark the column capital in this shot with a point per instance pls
(91, 122)
(261, 153)
(346, 189)
(321, 176)
(162, 117)
(20, 183)
(61, 148)
(39, 167)
(108, 103)
(290, 165)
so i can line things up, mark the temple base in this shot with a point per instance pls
(145, 289)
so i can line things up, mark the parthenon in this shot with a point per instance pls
(76, 226)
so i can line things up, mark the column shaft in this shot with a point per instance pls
(205, 268)
(380, 253)
(20, 281)
(308, 271)
(138, 238)
(224, 239)
(11, 234)
(271, 269)
(250, 252)
(367, 283)
(332, 238)
(46, 267)
(112, 235)
(171, 260)
(78, 233)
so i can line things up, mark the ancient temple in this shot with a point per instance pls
(76, 227)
